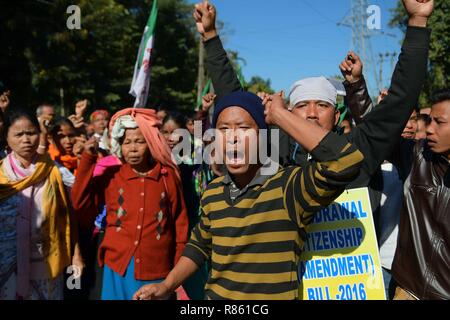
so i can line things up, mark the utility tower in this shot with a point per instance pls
(357, 19)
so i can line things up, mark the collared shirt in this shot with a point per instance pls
(259, 179)
(146, 217)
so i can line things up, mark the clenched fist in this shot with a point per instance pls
(352, 67)
(205, 19)
(419, 11)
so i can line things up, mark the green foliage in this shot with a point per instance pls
(258, 84)
(40, 54)
(439, 68)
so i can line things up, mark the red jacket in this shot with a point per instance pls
(146, 217)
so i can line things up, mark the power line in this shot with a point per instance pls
(318, 12)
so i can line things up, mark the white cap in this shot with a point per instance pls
(318, 89)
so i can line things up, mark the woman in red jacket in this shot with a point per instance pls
(146, 221)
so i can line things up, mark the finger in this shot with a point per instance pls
(345, 68)
(348, 65)
(211, 9)
(197, 16)
(355, 57)
(148, 294)
(136, 295)
(350, 57)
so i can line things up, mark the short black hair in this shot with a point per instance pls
(440, 96)
(57, 126)
(12, 117)
(423, 117)
(176, 117)
(190, 115)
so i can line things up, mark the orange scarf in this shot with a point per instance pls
(67, 160)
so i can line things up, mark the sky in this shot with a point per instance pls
(287, 40)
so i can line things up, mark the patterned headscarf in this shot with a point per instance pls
(148, 122)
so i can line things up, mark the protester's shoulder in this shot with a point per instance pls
(284, 174)
(214, 191)
(214, 184)
(422, 152)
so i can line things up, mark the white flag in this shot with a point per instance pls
(140, 86)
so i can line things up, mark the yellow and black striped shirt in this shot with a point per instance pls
(254, 243)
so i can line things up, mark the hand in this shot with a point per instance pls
(78, 266)
(4, 101)
(91, 146)
(44, 124)
(263, 95)
(80, 108)
(419, 11)
(273, 105)
(208, 101)
(383, 94)
(205, 19)
(158, 291)
(352, 67)
(78, 122)
(78, 147)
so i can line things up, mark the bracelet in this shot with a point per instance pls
(42, 147)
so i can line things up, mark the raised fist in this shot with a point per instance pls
(351, 67)
(205, 19)
(419, 11)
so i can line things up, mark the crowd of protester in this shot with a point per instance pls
(104, 202)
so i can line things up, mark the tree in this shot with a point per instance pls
(258, 84)
(439, 68)
(40, 54)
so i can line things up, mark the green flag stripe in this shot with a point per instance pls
(204, 92)
(151, 23)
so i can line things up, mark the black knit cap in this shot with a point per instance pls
(248, 101)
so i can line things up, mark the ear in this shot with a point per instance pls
(337, 115)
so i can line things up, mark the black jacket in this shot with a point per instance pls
(422, 260)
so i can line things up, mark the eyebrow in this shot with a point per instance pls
(25, 131)
(237, 123)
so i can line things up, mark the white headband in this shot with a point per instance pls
(318, 89)
(118, 131)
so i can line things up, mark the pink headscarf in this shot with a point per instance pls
(149, 124)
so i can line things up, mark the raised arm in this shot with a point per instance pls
(336, 162)
(381, 129)
(358, 99)
(218, 65)
(84, 192)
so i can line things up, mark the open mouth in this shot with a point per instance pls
(408, 134)
(235, 158)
